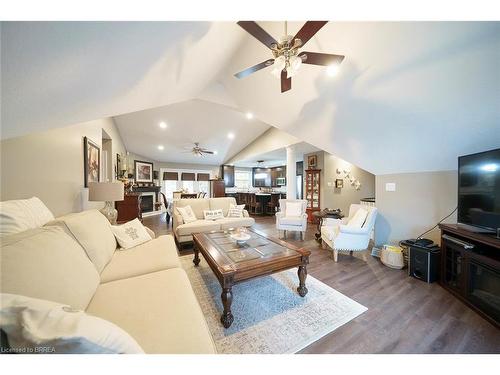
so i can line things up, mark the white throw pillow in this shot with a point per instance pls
(358, 219)
(236, 210)
(23, 214)
(40, 326)
(213, 214)
(293, 209)
(187, 214)
(131, 234)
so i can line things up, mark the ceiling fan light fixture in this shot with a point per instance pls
(278, 66)
(293, 67)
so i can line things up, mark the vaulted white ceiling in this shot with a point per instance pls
(410, 96)
(188, 122)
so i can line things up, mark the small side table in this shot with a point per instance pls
(320, 215)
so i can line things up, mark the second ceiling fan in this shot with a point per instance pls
(287, 58)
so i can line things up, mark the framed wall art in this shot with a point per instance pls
(143, 171)
(92, 161)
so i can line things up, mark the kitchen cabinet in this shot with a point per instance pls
(261, 177)
(227, 174)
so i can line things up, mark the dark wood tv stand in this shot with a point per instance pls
(472, 274)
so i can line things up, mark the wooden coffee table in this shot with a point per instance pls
(261, 255)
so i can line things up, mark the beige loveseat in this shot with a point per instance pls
(183, 232)
(74, 260)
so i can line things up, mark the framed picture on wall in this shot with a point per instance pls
(92, 161)
(118, 166)
(312, 161)
(339, 183)
(143, 171)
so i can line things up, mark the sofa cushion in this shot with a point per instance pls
(155, 255)
(222, 204)
(293, 208)
(23, 214)
(93, 231)
(47, 263)
(187, 214)
(159, 310)
(291, 220)
(130, 234)
(213, 214)
(235, 222)
(358, 219)
(199, 226)
(34, 323)
(197, 205)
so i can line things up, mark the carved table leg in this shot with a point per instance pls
(196, 259)
(227, 298)
(302, 281)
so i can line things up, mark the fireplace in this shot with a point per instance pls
(147, 202)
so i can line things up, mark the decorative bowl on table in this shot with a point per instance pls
(240, 237)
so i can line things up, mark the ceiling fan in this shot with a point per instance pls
(198, 151)
(287, 59)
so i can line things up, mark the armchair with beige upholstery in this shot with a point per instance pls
(292, 216)
(349, 234)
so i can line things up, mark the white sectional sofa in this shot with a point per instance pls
(183, 231)
(74, 260)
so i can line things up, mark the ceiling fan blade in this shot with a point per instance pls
(254, 68)
(324, 59)
(207, 152)
(286, 83)
(258, 32)
(308, 30)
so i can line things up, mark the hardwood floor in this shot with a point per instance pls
(404, 315)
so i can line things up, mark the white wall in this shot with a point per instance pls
(49, 165)
(419, 202)
(272, 139)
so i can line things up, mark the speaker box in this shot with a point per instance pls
(424, 263)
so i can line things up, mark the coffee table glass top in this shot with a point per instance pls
(257, 247)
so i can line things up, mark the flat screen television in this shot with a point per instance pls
(479, 191)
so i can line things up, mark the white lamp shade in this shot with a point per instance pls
(106, 191)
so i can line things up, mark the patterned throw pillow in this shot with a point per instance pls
(236, 210)
(130, 234)
(187, 214)
(213, 214)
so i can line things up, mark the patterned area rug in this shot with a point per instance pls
(269, 315)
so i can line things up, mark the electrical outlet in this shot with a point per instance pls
(390, 186)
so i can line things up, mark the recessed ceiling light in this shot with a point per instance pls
(160, 147)
(215, 152)
(249, 115)
(163, 125)
(230, 135)
(333, 70)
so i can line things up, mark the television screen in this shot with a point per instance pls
(479, 189)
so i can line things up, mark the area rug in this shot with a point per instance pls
(269, 315)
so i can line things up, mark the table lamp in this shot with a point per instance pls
(107, 192)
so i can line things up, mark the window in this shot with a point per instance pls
(242, 179)
(203, 186)
(188, 186)
(169, 186)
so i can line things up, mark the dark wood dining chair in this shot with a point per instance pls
(167, 214)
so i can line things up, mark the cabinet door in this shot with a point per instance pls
(228, 175)
(453, 275)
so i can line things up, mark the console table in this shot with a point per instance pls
(320, 215)
(470, 269)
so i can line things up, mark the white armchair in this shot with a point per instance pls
(292, 216)
(341, 237)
